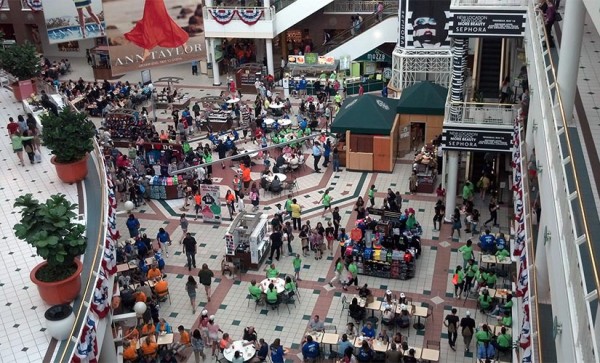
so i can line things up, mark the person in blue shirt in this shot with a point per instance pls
(344, 344)
(133, 225)
(487, 242)
(384, 91)
(501, 242)
(368, 330)
(365, 353)
(277, 351)
(302, 86)
(263, 351)
(163, 240)
(316, 152)
(310, 350)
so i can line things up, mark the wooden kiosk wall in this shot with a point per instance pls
(372, 152)
(433, 127)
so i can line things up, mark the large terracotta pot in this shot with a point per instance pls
(72, 172)
(60, 292)
(24, 89)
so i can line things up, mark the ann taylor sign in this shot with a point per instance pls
(479, 24)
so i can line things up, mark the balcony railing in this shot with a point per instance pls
(481, 113)
(488, 3)
(360, 6)
(281, 4)
(267, 14)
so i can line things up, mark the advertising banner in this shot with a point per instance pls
(145, 34)
(69, 20)
(425, 23)
(458, 138)
(478, 24)
(211, 205)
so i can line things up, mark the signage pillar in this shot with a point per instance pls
(269, 51)
(285, 81)
(452, 168)
(215, 64)
(569, 55)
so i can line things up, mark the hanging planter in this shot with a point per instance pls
(250, 16)
(222, 16)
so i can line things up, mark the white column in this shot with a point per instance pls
(452, 168)
(108, 352)
(269, 51)
(267, 3)
(570, 51)
(208, 3)
(215, 64)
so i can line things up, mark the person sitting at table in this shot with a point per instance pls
(490, 279)
(483, 337)
(343, 344)
(262, 351)
(410, 357)
(256, 292)
(503, 341)
(500, 308)
(505, 319)
(310, 350)
(225, 342)
(368, 330)
(393, 355)
(237, 357)
(149, 347)
(388, 316)
(501, 253)
(132, 333)
(148, 328)
(163, 327)
(168, 357)
(290, 287)
(383, 335)
(184, 341)
(277, 351)
(154, 272)
(271, 271)
(366, 294)
(275, 186)
(485, 301)
(357, 312)
(272, 296)
(250, 334)
(351, 330)
(398, 339)
(287, 150)
(129, 351)
(365, 353)
(161, 289)
(404, 319)
(316, 324)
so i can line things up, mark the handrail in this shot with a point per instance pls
(367, 23)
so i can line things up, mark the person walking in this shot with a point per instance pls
(198, 346)
(230, 201)
(467, 325)
(467, 253)
(326, 153)
(335, 159)
(164, 239)
(133, 225)
(189, 248)
(451, 322)
(197, 204)
(458, 280)
(296, 214)
(17, 144)
(326, 200)
(353, 272)
(456, 223)
(493, 208)
(205, 276)
(316, 153)
(439, 215)
(194, 68)
(338, 269)
(190, 288)
(183, 223)
(276, 243)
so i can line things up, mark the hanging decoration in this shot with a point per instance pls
(35, 5)
(250, 16)
(87, 347)
(222, 16)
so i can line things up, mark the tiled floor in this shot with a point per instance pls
(22, 338)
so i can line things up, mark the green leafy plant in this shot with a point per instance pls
(68, 134)
(51, 228)
(21, 60)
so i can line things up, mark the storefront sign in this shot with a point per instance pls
(311, 58)
(375, 55)
(457, 138)
(424, 24)
(211, 205)
(476, 24)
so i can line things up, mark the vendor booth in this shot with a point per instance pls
(370, 124)
(247, 240)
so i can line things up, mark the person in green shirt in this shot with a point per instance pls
(17, 144)
(502, 253)
(338, 269)
(458, 279)
(503, 307)
(506, 319)
(503, 341)
(326, 201)
(272, 272)
(297, 262)
(372, 195)
(467, 252)
(485, 300)
(256, 292)
(290, 286)
(470, 272)
(338, 98)
(288, 205)
(468, 191)
(490, 279)
(353, 269)
(272, 296)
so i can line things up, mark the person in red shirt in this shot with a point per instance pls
(12, 126)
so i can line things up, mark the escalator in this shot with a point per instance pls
(290, 12)
(372, 34)
(489, 67)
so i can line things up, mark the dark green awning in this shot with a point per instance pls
(366, 114)
(423, 98)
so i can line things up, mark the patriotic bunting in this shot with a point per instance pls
(87, 349)
(222, 16)
(35, 5)
(250, 16)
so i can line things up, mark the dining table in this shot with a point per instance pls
(233, 100)
(284, 122)
(430, 355)
(247, 349)
(278, 282)
(270, 178)
(419, 312)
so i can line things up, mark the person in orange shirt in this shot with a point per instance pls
(184, 341)
(161, 288)
(225, 341)
(148, 328)
(149, 347)
(132, 334)
(129, 351)
(230, 201)
(198, 204)
(154, 272)
(246, 178)
(140, 296)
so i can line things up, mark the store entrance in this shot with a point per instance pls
(417, 135)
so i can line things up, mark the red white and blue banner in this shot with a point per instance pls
(222, 16)
(35, 5)
(250, 16)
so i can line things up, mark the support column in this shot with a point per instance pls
(452, 167)
(570, 51)
(215, 64)
(269, 54)
(108, 352)
(459, 51)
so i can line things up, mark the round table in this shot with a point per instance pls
(269, 178)
(251, 153)
(247, 351)
(278, 282)
(284, 122)
(289, 137)
(233, 100)
(269, 121)
(276, 105)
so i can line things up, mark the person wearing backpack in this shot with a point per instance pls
(451, 322)
(467, 325)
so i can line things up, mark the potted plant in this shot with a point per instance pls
(23, 62)
(69, 135)
(52, 228)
